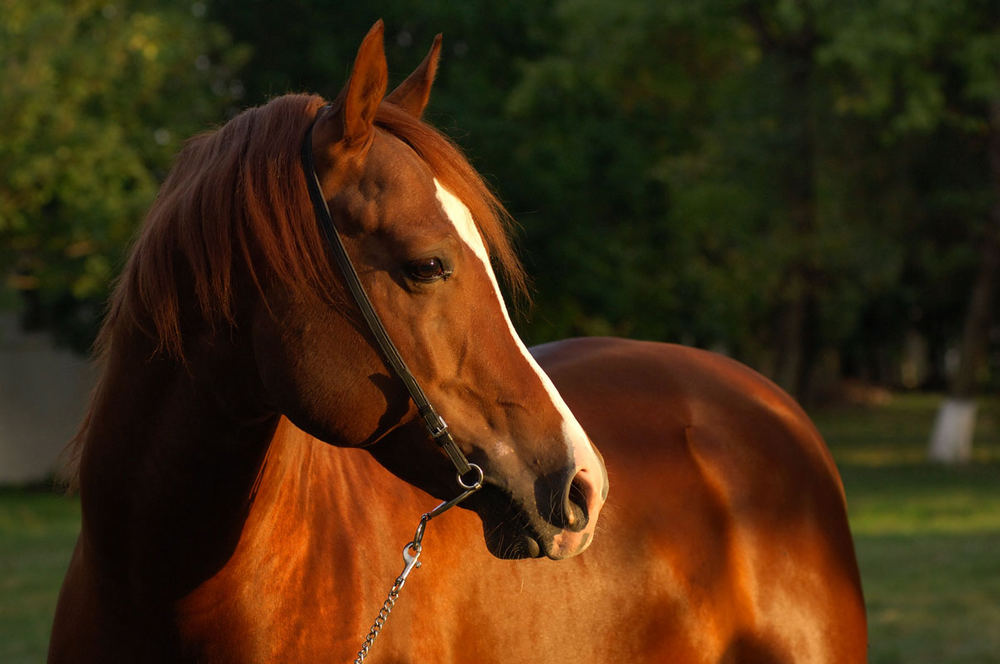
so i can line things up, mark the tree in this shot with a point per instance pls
(934, 70)
(96, 99)
(762, 176)
(705, 138)
(951, 438)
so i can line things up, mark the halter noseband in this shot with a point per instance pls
(436, 426)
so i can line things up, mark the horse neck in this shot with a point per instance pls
(169, 463)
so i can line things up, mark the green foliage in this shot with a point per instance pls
(915, 64)
(698, 171)
(96, 99)
(744, 158)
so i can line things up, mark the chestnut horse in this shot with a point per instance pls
(240, 467)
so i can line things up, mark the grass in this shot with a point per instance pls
(927, 536)
(37, 533)
(928, 540)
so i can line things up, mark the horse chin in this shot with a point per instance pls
(509, 532)
(513, 547)
(511, 544)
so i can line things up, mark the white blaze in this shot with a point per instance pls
(577, 442)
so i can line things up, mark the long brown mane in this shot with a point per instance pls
(236, 199)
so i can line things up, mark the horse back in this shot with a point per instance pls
(727, 496)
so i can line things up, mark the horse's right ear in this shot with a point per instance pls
(349, 126)
(413, 94)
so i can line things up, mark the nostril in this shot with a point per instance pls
(576, 504)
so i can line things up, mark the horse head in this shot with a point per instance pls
(418, 224)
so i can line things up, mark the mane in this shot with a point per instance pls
(235, 204)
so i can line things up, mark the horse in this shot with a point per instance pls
(252, 461)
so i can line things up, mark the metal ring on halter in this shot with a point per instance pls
(477, 484)
(448, 504)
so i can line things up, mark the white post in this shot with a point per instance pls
(951, 439)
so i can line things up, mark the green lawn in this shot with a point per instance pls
(37, 532)
(928, 537)
(928, 540)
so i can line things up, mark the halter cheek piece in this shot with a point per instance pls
(470, 476)
(436, 426)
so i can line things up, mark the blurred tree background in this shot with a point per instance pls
(95, 98)
(806, 185)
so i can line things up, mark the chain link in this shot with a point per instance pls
(411, 560)
(383, 615)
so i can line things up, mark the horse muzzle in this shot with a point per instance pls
(557, 519)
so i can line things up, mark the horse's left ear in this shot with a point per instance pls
(350, 125)
(413, 94)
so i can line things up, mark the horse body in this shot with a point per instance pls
(725, 540)
(228, 517)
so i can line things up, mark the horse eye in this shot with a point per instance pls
(427, 269)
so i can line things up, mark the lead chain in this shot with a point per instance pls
(411, 558)
(383, 615)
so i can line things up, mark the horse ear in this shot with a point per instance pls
(413, 94)
(351, 124)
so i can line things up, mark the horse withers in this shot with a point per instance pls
(240, 465)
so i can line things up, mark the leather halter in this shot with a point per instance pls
(436, 426)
